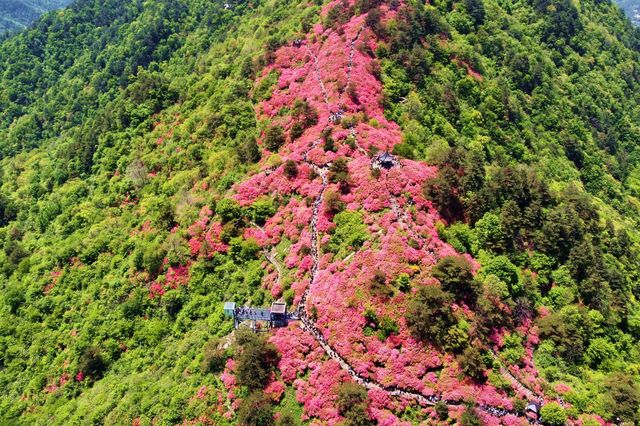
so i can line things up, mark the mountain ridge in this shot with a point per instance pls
(173, 155)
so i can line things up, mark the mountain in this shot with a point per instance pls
(445, 196)
(17, 14)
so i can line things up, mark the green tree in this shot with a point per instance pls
(490, 233)
(475, 9)
(215, 357)
(442, 191)
(599, 352)
(248, 151)
(622, 397)
(429, 315)
(553, 414)
(350, 231)
(256, 410)
(473, 364)
(339, 172)
(442, 410)
(470, 417)
(91, 363)
(256, 360)
(456, 277)
(352, 404)
(274, 138)
(228, 209)
(290, 169)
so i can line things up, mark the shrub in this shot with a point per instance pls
(553, 414)
(429, 315)
(297, 129)
(455, 276)
(91, 363)
(473, 364)
(442, 410)
(274, 138)
(352, 404)
(256, 359)
(290, 169)
(469, 417)
(256, 410)
(215, 357)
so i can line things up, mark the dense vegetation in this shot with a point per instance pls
(17, 14)
(124, 125)
(538, 164)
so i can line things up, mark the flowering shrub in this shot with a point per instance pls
(275, 390)
(374, 227)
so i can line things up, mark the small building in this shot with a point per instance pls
(230, 309)
(532, 411)
(384, 161)
(279, 314)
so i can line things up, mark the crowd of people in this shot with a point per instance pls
(253, 313)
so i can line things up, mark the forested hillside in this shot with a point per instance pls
(158, 158)
(17, 14)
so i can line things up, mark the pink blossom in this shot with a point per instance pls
(402, 237)
(275, 390)
(202, 392)
(562, 388)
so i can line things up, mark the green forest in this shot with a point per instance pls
(121, 121)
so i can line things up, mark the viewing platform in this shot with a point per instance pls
(261, 319)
